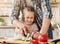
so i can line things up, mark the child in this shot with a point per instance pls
(28, 20)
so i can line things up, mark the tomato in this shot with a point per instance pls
(33, 41)
(42, 38)
(3, 42)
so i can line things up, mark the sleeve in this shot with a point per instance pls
(16, 9)
(46, 9)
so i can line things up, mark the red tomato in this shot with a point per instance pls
(42, 38)
(3, 42)
(33, 41)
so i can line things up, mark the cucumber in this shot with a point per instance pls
(25, 39)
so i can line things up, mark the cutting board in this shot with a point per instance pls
(13, 41)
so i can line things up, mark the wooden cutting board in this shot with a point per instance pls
(13, 41)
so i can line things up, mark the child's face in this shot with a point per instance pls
(28, 17)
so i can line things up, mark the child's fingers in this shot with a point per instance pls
(25, 30)
(35, 35)
(32, 34)
(22, 31)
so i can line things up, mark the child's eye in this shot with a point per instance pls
(27, 17)
(31, 17)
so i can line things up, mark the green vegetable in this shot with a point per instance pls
(28, 37)
(51, 42)
(1, 20)
(58, 42)
(25, 39)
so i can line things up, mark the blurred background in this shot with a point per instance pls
(6, 27)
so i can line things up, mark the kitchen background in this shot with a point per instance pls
(6, 27)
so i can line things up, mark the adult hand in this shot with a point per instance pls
(15, 22)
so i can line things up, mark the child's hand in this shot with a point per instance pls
(35, 35)
(24, 31)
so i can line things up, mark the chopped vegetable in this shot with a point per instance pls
(25, 39)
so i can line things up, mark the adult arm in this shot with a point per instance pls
(47, 15)
(16, 9)
(17, 6)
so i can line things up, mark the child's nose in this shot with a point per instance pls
(29, 19)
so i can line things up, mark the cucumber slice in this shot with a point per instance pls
(23, 39)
